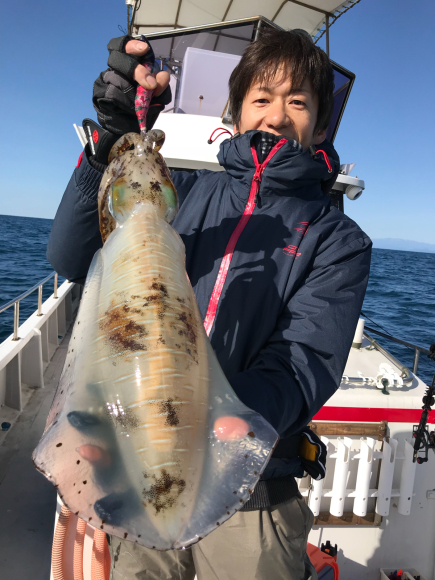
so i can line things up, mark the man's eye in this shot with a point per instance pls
(297, 102)
(262, 101)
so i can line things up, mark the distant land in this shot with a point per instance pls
(404, 245)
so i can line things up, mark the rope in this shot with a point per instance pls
(326, 159)
(212, 140)
(378, 325)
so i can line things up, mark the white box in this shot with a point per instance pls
(205, 74)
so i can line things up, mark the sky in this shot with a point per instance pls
(51, 52)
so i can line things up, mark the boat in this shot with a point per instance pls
(377, 501)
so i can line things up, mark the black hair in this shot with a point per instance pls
(292, 51)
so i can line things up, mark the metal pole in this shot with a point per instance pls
(40, 301)
(327, 35)
(257, 30)
(416, 361)
(16, 320)
(55, 286)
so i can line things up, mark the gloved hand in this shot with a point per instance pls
(115, 88)
(312, 453)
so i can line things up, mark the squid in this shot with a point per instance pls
(146, 439)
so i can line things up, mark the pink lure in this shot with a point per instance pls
(142, 103)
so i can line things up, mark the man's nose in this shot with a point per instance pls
(277, 116)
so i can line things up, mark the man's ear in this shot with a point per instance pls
(319, 137)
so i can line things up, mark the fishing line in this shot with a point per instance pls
(378, 325)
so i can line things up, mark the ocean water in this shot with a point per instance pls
(23, 243)
(400, 295)
(401, 298)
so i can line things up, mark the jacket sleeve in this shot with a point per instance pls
(184, 181)
(301, 365)
(75, 235)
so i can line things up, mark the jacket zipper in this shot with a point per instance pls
(229, 250)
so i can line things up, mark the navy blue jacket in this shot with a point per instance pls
(296, 281)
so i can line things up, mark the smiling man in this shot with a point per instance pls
(280, 309)
(283, 86)
(276, 107)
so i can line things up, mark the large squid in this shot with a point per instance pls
(146, 439)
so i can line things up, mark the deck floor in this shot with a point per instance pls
(27, 499)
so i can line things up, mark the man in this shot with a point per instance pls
(280, 309)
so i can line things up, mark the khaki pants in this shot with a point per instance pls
(265, 544)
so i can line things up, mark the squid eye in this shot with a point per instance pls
(117, 195)
(118, 198)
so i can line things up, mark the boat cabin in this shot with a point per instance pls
(200, 60)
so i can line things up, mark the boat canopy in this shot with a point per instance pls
(313, 16)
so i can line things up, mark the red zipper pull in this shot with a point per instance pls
(257, 178)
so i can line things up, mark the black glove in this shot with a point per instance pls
(312, 453)
(115, 90)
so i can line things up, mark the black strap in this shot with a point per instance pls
(287, 448)
(272, 492)
(100, 142)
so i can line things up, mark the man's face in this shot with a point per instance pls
(279, 108)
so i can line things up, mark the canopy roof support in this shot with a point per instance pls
(176, 23)
(314, 16)
(326, 14)
(303, 6)
(335, 18)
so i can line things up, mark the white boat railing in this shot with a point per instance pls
(16, 301)
(430, 352)
(25, 354)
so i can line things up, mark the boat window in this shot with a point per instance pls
(200, 64)
(343, 81)
(172, 49)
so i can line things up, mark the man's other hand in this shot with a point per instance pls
(141, 74)
(115, 89)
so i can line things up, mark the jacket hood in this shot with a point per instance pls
(292, 171)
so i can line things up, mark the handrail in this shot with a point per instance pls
(417, 349)
(399, 341)
(405, 372)
(16, 301)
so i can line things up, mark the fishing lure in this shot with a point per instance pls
(146, 439)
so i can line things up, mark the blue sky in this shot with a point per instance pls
(51, 52)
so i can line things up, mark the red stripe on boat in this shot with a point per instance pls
(229, 250)
(371, 415)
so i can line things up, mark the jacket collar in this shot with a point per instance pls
(291, 172)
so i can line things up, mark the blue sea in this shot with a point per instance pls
(400, 296)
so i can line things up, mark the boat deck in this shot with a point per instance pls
(27, 499)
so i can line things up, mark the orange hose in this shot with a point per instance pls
(57, 560)
(78, 549)
(100, 567)
(107, 560)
